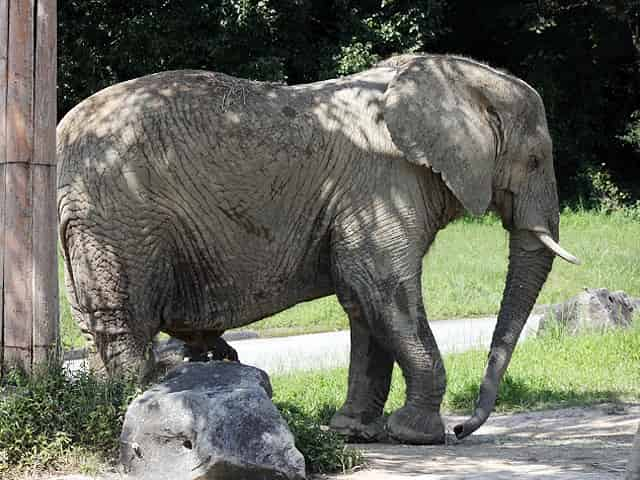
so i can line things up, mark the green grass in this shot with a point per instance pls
(49, 422)
(52, 423)
(465, 270)
(553, 370)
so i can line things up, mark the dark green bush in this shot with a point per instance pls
(45, 416)
(323, 450)
(631, 135)
(583, 57)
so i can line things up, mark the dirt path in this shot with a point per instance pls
(580, 443)
(570, 444)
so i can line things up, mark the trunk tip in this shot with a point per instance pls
(465, 429)
(459, 431)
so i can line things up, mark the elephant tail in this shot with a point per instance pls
(63, 232)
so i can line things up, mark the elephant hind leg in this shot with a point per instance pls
(221, 350)
(109, 302)
(212, 347)
(202, 346)
(115, 348)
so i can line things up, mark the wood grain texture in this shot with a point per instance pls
(18, 265)
(45, 273)
(20, 82)
(4, 46)
(45, 85)
(45, 266)
(18, 268)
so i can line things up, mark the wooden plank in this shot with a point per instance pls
(4, 46)
(20, 82)
(45, 266)
(18, 303)
(45, 84)
(2, 249)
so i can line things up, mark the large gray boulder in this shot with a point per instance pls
(210, 420)
(593, 308)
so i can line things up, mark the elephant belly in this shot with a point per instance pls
(224, 312)
(241, 294)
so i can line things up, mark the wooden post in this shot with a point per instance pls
(28, 167)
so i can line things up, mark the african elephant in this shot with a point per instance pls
(193, 202)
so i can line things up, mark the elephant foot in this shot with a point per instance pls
(221, 350)
(416, 426)
(354, 429)
(215, 349)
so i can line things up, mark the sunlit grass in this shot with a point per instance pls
(553, 370)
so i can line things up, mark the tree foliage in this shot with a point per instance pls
(582, 56)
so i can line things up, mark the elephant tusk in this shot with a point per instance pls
(551, 244)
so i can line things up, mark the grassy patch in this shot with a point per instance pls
(52, 423)
(324, 451)
(555, 370)
(465, 270)
(550, 371)
(49, 422)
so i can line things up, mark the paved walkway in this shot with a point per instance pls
(328, 350)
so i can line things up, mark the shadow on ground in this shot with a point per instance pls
(568, 444)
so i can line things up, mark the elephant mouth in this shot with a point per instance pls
(552, 245)
(503, 203)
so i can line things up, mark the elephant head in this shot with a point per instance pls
(486, 133)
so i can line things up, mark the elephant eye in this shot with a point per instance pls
(534, 163)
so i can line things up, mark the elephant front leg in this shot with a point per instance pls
(415, 349)
(395, 318)
(370, 368)
(381, 268)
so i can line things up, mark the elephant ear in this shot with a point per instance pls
(439, 116)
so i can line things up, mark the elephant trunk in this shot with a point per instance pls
(527, 272)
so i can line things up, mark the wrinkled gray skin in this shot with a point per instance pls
(193, 202)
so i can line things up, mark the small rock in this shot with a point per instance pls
(210, 420)
(594, 308)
